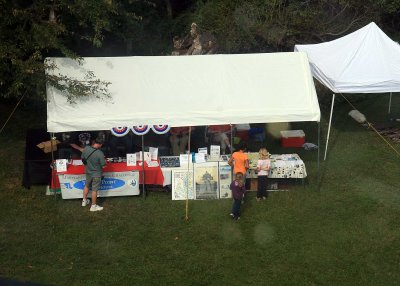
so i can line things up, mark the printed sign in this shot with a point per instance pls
(182, 185)
(153, 153)
(169, 161)
(215, 151)
(206, 181)
(61, 165)
(131, 159)
(113, 184)
(225, 179)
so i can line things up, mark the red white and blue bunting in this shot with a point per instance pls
(160, 129)
(120, 131)
(140, 129)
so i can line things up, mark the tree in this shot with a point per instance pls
(277, 25)
(33, 30)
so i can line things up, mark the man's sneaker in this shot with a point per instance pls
(232, 215)
(96, 208)
(85, 202)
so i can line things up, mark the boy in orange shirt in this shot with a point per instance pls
(240, 161)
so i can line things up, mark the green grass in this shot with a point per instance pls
(346, 234)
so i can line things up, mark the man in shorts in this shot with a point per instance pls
(95, 162)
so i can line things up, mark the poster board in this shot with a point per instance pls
(225, 179)
(206, 180)
(182, 185)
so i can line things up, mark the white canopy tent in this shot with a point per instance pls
(365, 61)
(187, 91)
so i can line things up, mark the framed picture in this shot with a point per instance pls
(225, 179)
(206, 180)
(182, 185)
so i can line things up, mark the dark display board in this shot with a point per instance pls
(169, 161)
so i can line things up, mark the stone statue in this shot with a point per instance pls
(197, 43)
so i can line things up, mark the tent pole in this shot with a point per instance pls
(187, 175)
(329, 126)
(53, 166)
(230, 149)
(143, 175)
(318, 163)
(390, 102)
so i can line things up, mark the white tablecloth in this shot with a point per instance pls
(283, 166)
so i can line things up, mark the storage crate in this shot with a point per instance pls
(292, 138)
(257, 134)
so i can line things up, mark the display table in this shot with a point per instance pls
(119, 180)
(283, 166)
(287, 166)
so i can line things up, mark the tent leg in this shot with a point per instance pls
(390, 102)
(187, 176)
(143, 175)
(329, 126)
(230, 149)
(318, 160)
(53, 166)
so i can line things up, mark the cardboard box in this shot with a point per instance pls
(292, 138)
(46, 146)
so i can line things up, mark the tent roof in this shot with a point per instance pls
(187, 91)
(365, 61)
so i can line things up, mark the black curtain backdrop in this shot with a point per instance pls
(37, 169)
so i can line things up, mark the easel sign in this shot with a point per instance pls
(131, 159)
(153, 153)
(184, 159)
(200, 158)
(61, 165)
(147, 156)
(215, 151)
(202, 150)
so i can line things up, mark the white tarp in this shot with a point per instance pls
(365, 61)
(187, 91)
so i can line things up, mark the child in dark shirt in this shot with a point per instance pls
(238, 189)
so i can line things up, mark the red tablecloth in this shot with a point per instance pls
(153, 175)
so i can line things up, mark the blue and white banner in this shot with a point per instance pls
(120, 131)
(114, 184)
(140, 129)
(160, 129)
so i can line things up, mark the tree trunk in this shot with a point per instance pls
(169, 9)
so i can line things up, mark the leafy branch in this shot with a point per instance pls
(75, 89)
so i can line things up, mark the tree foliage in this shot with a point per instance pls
(33, 30)
(276, 25)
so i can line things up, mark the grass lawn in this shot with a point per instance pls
(346, 234)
